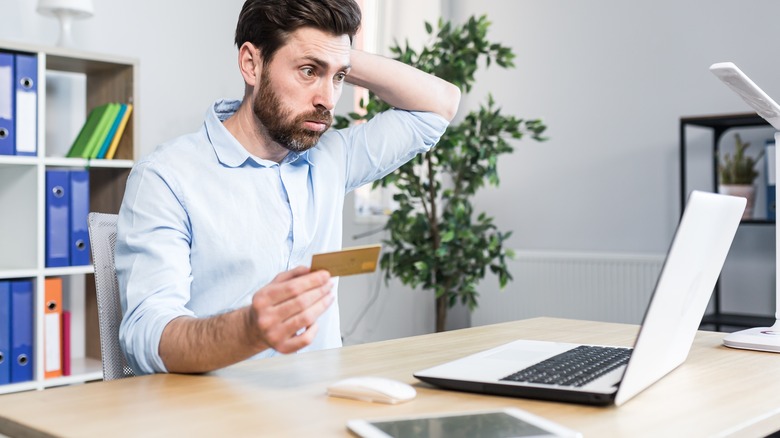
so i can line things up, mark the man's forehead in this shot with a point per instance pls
(309, 43)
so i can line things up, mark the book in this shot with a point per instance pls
(87, 131)
(65, 342)
(101, 132)
(119, 131)
(771, 180)
(111, 132)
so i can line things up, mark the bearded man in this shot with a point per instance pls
(216, 228)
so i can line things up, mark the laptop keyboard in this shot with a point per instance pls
(575, 367)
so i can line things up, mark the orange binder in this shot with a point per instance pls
(52, 339)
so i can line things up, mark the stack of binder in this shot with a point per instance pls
(67, 207)
(16, 331)
(101, 133)
(18, 104)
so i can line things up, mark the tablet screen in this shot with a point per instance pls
(498, 424)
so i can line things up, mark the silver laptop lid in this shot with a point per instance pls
(688, 277)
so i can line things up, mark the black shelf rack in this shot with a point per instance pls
(719, 125)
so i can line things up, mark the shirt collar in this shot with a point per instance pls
(229, 151)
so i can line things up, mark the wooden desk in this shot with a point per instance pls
(717, 392)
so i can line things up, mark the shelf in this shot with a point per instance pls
(13, 160)
(757, 222)
(726, 121)
(17, 273)
(71, 84)
(83, 369)
(18, 387)
(737, 320)
(83, 162)
(68, 270)
(17, 160)
(699, 159)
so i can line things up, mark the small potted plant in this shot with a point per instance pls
(737, 173)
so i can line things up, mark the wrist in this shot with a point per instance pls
(252, 334)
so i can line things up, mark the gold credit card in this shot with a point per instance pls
(348, 261)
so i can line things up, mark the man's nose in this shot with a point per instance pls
(326, 96)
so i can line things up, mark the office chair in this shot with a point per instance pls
(102, 238)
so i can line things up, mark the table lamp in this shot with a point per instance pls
(66, 11)
(758, 338)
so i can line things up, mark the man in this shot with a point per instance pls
(216, 228)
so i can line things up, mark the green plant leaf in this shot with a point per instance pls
(436, 241)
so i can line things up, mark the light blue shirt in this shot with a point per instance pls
(204, 224)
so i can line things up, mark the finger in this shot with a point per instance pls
(300, 302)
(278, 293)
(292, 273)
(295, 343)
(300, 319)
(273, 321)
(308, 315)
(283, 337)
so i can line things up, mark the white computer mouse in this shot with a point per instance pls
(373, 389)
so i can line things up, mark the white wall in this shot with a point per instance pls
(610, 78)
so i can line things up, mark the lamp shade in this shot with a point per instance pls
(73, 8)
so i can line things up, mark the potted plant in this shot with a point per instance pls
(737, 173)
(437, 241)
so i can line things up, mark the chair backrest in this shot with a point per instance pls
(102, 239)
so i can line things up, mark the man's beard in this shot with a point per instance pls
(291, 135)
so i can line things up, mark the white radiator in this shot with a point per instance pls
(594, 286)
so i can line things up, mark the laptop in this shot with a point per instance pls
(542, 369)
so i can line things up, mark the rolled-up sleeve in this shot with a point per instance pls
(390, 139)
(152, 255)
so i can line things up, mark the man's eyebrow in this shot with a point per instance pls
(321, 63)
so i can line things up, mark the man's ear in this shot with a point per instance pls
(250, 63)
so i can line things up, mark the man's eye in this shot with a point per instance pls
(308, 71)
(340, 77)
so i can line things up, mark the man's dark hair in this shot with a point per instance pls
(267, 23)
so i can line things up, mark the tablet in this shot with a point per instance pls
(509, 422)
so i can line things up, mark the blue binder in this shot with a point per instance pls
(57, 218)
(79, 209)
(5, 332)
(7, 94)
(21, 330)
(771, 180)
(26, 102)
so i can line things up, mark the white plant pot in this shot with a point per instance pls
(747, 191)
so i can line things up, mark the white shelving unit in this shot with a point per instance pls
(62, 108)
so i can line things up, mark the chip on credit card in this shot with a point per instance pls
(348, 261)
